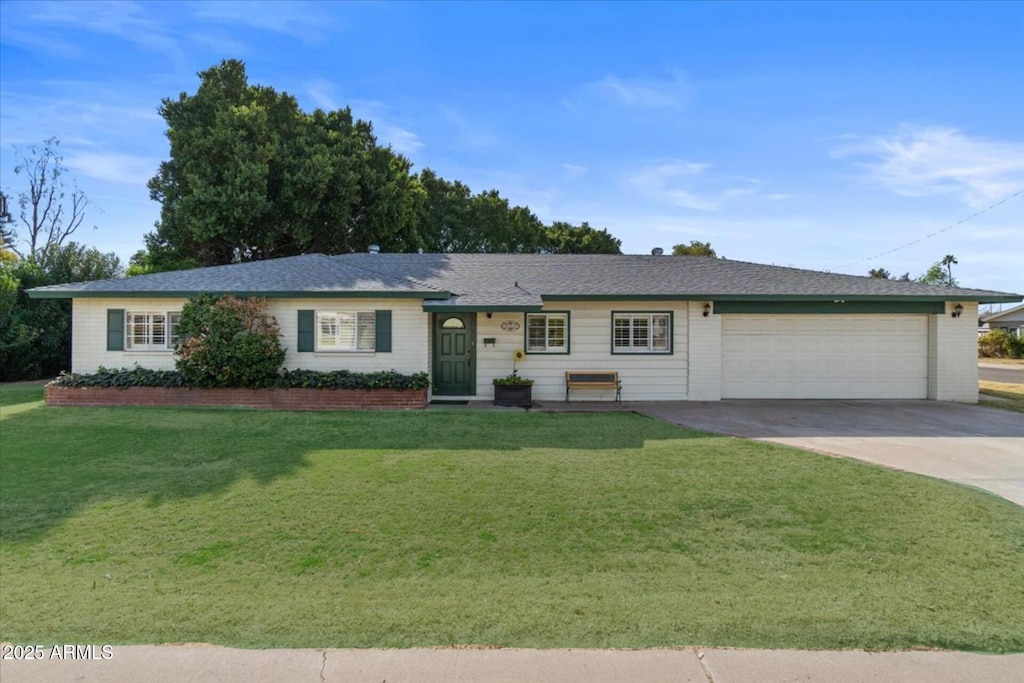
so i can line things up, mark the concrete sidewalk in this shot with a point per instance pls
(205, 663)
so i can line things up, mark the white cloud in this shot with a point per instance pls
(467, 134)
(302, 20)
(574, 170)
(322, 94)
(125, 20)
(669, 182)
(112, 167)
(918, 161)
(642, 93)
(401, 140)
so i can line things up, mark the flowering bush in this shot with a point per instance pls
(228, 342)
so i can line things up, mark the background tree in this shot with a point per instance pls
(566, 238)
(694, 248)
(948, 260)
(7, 254)
(251, 176)
(883, 274)
(51, 210)
(35, 334)
(938, 274)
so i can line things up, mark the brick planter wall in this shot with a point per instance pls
(276, 399)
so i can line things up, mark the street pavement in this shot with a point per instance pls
(1007, 374)
(211, 664)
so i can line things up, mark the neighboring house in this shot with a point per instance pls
(674, 327)
(1011, 320)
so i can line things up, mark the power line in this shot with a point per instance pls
(937, 232)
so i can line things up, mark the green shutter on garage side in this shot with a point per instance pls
(307, 330)
(383, 332)
(115, 329)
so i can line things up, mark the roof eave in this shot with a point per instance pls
(188, 294)
(994, 297)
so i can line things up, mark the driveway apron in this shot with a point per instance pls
(966, 444)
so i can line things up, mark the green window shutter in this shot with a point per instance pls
(383, 332)
(115, 329)
(307, 331)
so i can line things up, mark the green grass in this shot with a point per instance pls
(268, 529)
(1010, 396)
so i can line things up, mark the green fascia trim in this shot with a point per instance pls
(454, 308)
(623, 297)
(341, 294)
(817, 307)
(980, 298)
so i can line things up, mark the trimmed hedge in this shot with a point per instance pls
(289, 379)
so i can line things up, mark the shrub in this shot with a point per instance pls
(343, 379)
(228, 342)
(122, 379)
(290, 379)
(1000, 344)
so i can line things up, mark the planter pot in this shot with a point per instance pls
(519, 395)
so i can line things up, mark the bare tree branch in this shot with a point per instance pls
(46, 216)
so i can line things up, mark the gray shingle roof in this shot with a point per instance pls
(519, 280)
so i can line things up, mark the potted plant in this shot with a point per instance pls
(513, 390)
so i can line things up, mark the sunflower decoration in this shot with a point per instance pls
(514, 379)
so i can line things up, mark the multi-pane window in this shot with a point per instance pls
(345, 331)
(151, 330)
(547, 332)
(642, 333)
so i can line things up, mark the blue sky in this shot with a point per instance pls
(812, 135)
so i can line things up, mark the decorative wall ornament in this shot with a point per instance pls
(510, 325)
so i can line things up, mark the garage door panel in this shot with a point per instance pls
(824, 356)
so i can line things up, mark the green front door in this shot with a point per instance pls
(454, 369)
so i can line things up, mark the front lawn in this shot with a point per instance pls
(1008, 396)
(270, 529)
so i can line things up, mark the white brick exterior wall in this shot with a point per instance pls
(650, 377)
(953, 354)
(705, 354)
(89, 335)
(410, 329)
(692, 372)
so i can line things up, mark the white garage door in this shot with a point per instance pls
(824, 356)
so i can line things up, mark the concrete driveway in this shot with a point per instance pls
(972, 445)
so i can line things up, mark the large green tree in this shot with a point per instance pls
(251, 176)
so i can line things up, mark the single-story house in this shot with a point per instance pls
(673, 327)
(1011, 320)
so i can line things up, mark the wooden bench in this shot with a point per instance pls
(593, 379)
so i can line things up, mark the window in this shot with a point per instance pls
(547, 333)
(150, 330)
(642, 333)
(345, 331)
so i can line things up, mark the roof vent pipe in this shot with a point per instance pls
(373, 249)
(657, 251)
